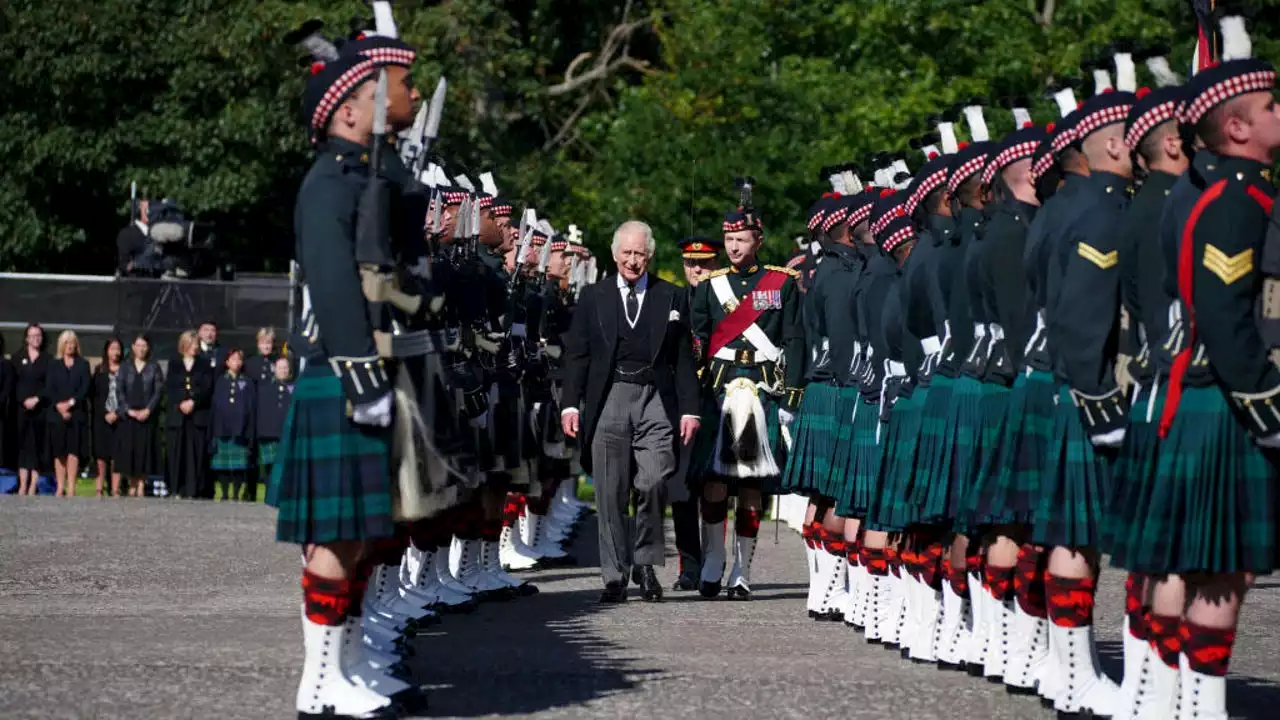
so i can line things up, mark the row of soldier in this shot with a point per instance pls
(422, 458)
(1056, 355)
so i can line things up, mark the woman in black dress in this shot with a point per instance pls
(30, 366)
(138, 388)
(189, 390)
(106, 415)
(66, 389)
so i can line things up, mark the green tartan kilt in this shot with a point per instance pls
(976, 509)
(1134, 478)
(893, 510)
(229, 456)
(843, 479)
(860, 461)
(331, 480)
(1076, 485)
(933, 454)
(704, 444)
(939, 499)
(1013, 464)
(1211, 506)
(266, 456)
(808, 470)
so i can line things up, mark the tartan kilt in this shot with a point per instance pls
(704, 445)
(939, 500)
(860, 464)
(843, 480)
(773, 433)
(1012, 467)
(893, 510)
(229, 456)
(934, 451)
(266, 456)
(975, 508)
(1134, 479)
(332, 478)
(1076, 484)
(808, 468)
(1212, 505)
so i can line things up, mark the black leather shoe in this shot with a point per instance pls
(614, 593)
(709, 590)
(688, 580)
(650, 586)
(636, 576)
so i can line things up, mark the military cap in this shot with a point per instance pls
(743, 217)
(1017, 145)
(699, 247)
(887, 206)
(837, 212)
(1103, 110)
(930, 176)
(1222, 82)
(1151, 109)
(818, 211)
(967, 163)
(331, 83)
(895, 232)
(1044, 158)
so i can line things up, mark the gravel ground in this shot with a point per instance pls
(176, 609)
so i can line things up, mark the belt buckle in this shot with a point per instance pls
(744, 357)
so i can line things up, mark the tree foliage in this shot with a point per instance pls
(591, 111)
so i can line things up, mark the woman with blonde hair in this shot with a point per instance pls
(66, 389)
(188, 390)
(139, 384)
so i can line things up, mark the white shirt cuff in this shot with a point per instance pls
(568, 411)
(695, 417)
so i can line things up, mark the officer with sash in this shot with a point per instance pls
(747, 318)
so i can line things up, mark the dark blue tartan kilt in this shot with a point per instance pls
(976, 510)
(939, 499)
(331, 481)
(773, 431)
(1134, 478)
(843, 480)
(933, 456)
(229, 455)
(1012, 466)
(808, 470)
(1076, 485)
(861, 461)
(1212, 502)
(266, 456)
(893, 510)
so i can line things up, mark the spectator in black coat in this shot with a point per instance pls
(274, 397)
(212, 355)
(138, 389)
(30, 367)
(260, 367)
(106, 414)
(189, 390)
(66, 390)
(234, 415)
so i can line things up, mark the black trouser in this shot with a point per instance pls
(688, 525)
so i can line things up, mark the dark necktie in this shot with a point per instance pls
(633, 304)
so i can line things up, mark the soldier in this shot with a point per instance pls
(1001, 290)
(1089, 423)
(1216, 473)
(336, 506)
(1149, 689)
(700, 256)
(747, 318)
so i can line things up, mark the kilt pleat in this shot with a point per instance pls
(893, 510)
(1212, 503)
(1012, 467)
(862, 463)
(1076, 484)
(975, 509)
(331, 480)
(1134, 479)
(808, 468)
(934, 450)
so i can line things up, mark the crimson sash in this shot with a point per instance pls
(737, 321)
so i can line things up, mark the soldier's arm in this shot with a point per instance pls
(1227, 238)
(326, 251)
(1088, 316)
(793, 348)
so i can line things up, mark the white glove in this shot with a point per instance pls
(1112, 439)
(1270, 441)
(376, 413)
(785, 416)
(481, 421)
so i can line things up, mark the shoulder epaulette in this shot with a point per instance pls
(790, 271)
(718, 273)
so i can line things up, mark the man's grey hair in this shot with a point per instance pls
(632, 227)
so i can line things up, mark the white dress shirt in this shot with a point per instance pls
(641, 286)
